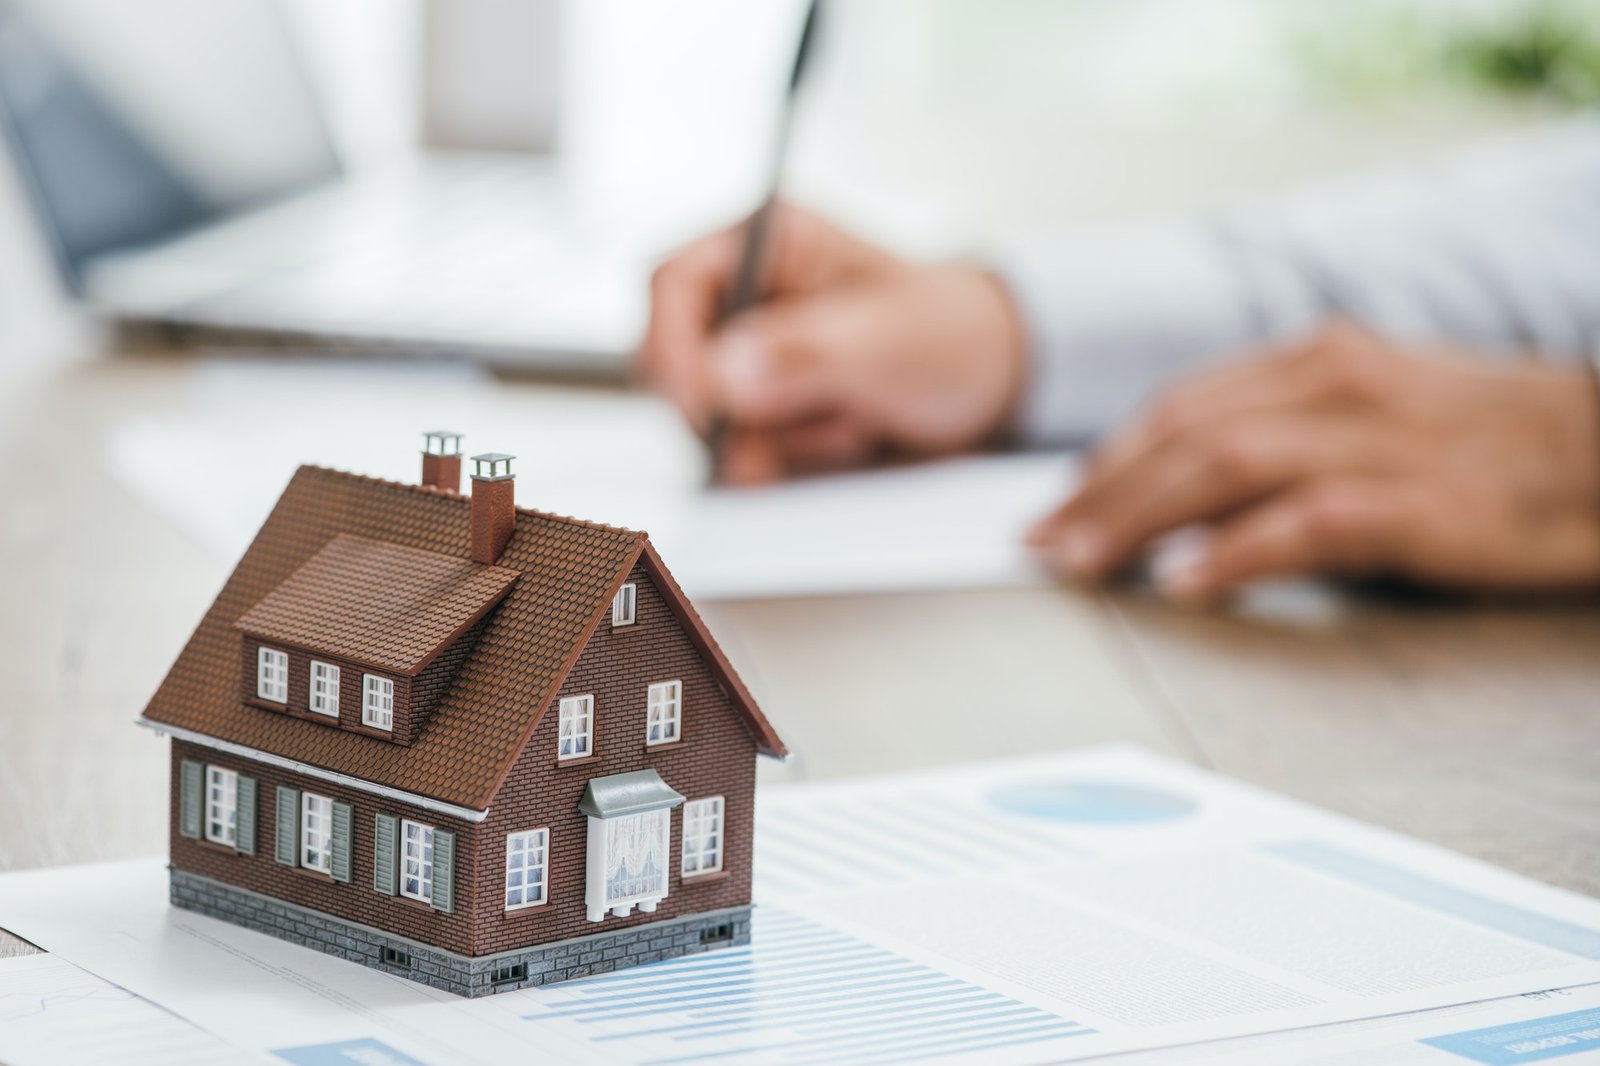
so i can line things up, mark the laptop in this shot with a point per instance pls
(176, 156)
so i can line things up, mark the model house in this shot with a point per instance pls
(480, 746)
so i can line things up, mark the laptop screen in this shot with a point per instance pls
(132, 122)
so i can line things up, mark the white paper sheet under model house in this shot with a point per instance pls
(1027, 911)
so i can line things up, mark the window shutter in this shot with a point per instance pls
(444, 870)
(383, 864)
(343, 819)
(287, 827)
(245, 837)
(191, 794)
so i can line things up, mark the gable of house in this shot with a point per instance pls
(537, 833)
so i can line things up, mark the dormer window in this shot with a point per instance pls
(664, 712)
(377, 702)
(366, 635)
(324, 689)
(272, 675)
(623, 604)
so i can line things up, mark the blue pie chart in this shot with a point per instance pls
(1091, 802)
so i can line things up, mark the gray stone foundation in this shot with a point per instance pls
(464, 975)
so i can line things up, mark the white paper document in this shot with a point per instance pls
(53, 1012)
(1033, 910)
(215, 469)
(1557, 1023)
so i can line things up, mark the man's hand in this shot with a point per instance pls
(852, 355)
(1352, 455)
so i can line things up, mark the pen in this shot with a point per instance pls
(745, 291)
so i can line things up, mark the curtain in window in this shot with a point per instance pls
(636, 856)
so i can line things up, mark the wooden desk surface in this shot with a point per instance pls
(1476, 727)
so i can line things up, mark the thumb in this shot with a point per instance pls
(770, 365)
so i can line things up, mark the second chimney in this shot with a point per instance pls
(494, 505)
(441, 460)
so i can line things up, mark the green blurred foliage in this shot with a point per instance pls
(1546, 50)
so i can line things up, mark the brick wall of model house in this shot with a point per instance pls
(715, 757)
(355, 900)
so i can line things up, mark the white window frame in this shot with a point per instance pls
(704, 822)
(527, 853)
(377, 702)
(272, 674)
(576, 724)
(663, 713)
(316, 832)
(222, 806)
(416, 854)
(625, 605)
(322, 695)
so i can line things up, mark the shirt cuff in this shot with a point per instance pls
(1108, 316)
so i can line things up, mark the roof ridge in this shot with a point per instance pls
(430, 490)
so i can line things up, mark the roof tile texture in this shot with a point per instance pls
(568, 570)
(378, 604)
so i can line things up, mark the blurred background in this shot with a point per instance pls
(586, 139)
(419, 198)
(445, 190)
(238, 235)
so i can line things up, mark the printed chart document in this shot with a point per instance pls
(53, 1012)
(636, 466)
(1141, 902)
(1559, 1023)
(1034, 910)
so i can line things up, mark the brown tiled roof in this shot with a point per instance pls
(378, 604)
(569, 570)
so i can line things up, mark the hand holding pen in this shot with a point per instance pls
(794, 347)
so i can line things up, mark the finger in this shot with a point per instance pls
(836, 442)
(1346, 524)
(793, 360)
(749, 458)
(806, 253)
(760, 456)
(1201, 475)
(685, 302)
(1336, 365)
(803, 254)
(767, 373)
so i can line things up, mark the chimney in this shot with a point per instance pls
(441, 460)
(494, 507)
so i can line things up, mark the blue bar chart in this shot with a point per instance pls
(800, 992)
